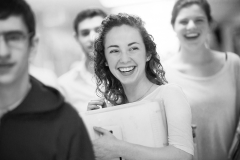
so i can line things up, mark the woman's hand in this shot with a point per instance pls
(95, 104)
(105, 147)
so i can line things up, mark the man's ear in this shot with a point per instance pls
(75, 35)
(33, 48)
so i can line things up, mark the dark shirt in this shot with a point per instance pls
(44, 127)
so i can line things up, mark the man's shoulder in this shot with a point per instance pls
(68, 112)
(45, 99)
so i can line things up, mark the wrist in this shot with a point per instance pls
(120, 147)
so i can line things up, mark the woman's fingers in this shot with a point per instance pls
(95, 104)
(101, 130)
(92, 107)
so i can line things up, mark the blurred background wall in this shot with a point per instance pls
(58, 49)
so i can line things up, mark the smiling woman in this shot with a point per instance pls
(210, 79)
(128, 69)
(128, 49)
(126, 55)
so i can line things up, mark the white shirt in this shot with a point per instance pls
(78, 86)
(215, 104)
(178, 115)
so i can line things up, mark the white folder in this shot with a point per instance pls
(142, 123)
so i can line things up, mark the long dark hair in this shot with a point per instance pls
(107, 84)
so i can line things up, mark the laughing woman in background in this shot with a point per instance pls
(210, 79)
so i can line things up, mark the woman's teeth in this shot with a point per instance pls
(126, 69)
(192, 35)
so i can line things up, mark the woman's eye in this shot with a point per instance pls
(183, 22)
(199, 20)
(114, 51)
(133, 48)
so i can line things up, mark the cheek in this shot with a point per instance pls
(179, 29)
(176, 30)
(207, 29)
(113, 70)
(109, 61)
(82, 40)
(178, 33)
(23, 60)
(112, 65)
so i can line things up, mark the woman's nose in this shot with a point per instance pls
(191, 25)
(124, 57)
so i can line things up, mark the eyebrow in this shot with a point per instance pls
(118, 46)
(83, 30)
(203, 17)
(112, 46)
(87, 29)
(13, 32)
(132, 43)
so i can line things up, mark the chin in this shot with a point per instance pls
(7, 79)
(14, 77)
(90, 55)
(129, 81)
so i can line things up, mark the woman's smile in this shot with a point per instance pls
(126, 71)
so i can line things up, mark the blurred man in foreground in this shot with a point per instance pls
(35, 121)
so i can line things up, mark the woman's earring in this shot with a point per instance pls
(119, 99)
(148, 58)
(106, 64)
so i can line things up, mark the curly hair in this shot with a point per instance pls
(107, 84)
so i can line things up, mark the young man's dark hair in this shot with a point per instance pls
(19, 8)
(88, 13)
(35, 121)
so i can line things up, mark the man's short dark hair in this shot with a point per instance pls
(19, 8)
(87, 13)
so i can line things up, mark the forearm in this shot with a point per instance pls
(136, 152)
